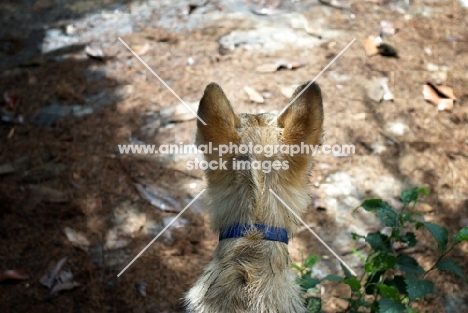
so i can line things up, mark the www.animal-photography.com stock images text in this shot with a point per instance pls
(234, 156)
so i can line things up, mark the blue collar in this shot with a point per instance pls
(269, 232)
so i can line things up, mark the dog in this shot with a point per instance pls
(250, 271)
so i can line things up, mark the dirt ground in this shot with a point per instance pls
(65, 175)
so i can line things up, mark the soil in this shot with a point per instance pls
(399, 144)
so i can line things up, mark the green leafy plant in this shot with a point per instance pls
(392, 280)
(308, 284)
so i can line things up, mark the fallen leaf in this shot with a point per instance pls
(314, 31)
(94, 52)
(267, 11)
(76, 238)
(11, 100)
(445, 90)
(13, 275)
(44, 172)
(387, 94)
(141, 288)
(289, 64)
(445, 105)
(48, 279)
(48, 194)
(336, 4)
(387, 28)
(9, 117)
(253, 95)
(64, 286)
(374, 90)
(158, 197)
(140, 49)
(267, 68)
(370, 47)
(441, 96)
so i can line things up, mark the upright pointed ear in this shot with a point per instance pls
(221, 121)
(303, 119)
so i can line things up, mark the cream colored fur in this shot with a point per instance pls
(249, 274)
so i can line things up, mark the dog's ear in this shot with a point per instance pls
(218, 114)
(303, 119)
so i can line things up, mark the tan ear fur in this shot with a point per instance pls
(303, 119)
(219, 116)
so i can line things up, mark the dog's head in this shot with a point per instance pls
(256, 165)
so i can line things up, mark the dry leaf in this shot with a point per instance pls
(441, 96)
(336, 4)
(141, 288)
(253, 95)
(387, 94)
(314, 31)
(140, 49)
(267, 68)
(13, 275)
(371, 47)
(47, 194)
(158, 197)
(11, 100)
(94, 52)
(64, 286)
(387, 28)
(76, 238)
(289, 64)
(445, 105)
(267, 11)
(446, 91)
(48, 279)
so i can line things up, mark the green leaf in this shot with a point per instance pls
(353, 283)
(297, 267)
(418, 288)
(357, 236)
(413, 194)
(398, 282)
(411, 310)
(311, 260)
(389, 292)
(439, 233)
(387, 305)
(409, 238)
(408, 264)
(371, 281)
(379, 261)
(462, 235)
(331, 277)
(383, 210)
(314, 305)
(346, 271)
(378, 241)
(307, 282)
(451, 266)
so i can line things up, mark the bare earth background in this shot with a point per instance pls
(72, 92)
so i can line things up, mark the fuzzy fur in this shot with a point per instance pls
(249, 274)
